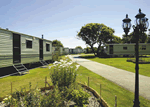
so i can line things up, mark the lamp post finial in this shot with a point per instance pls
(139, 10)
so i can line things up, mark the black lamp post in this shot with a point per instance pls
(141, 26)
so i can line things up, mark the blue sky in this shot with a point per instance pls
(61, 19)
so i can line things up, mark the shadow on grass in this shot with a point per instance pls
(87, 57)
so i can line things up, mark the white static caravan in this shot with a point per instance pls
(84, 50)
(55, 49)
(18, 49)
(61, 50)
(75, 51)
(79, 50)
(71, 51)
(127, 49)
(66, 51)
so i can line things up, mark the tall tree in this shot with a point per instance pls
(57, 43)
(95, 33)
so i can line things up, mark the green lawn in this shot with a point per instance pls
(144, 69)
(109, 89)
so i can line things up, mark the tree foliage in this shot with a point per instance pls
(57, 43)
(78, 47)
(88, 50)
(115, 39)
(95, 33)
(131, 38)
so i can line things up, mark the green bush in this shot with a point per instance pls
(55, 56)
(80, 97)
(63, 73)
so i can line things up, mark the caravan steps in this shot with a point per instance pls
(43, 62)
(20, 68)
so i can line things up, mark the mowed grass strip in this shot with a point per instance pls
(144, 69)
(109, 89)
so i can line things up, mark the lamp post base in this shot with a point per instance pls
(136, 104)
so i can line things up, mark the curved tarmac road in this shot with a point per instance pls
(121, 77)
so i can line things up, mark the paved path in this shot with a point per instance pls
(121, 77)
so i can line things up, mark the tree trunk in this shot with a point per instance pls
(98, 53)
(93, 50)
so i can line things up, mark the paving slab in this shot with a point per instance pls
(121, 77)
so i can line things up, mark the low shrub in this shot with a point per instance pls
(80, 97)
(54, 99)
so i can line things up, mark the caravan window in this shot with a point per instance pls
(143, 47)
(28, 44)
(125, 48)
(47, 47)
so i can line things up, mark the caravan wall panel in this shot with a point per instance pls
(6, 53)
(47, 55)
(29, 55)
(61, 50)
(118, 49)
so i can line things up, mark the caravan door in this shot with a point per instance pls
(110, 49)
(16, 49)
(41, 49)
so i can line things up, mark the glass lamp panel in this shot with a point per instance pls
(144, 22)
(138, 21)
(129, 25)
(125, 25)
(147, 24)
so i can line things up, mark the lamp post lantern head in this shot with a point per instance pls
(141, 20)
(126, 25)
